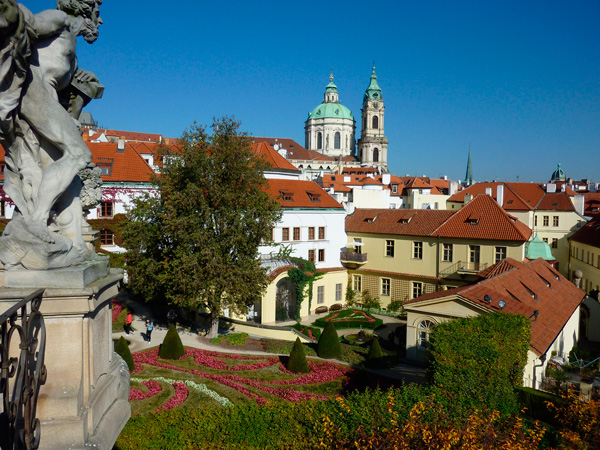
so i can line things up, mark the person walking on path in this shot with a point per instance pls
(128, 321)
(149, 328)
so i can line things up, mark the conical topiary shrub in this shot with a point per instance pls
(329, 343)
(297, 362)
(171, 348)
(375, 350)
(122, 349)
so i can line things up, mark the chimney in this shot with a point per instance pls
(488, 191)
(386, 178)
(579, 203)
(551, 188)
(468, 198)
(500, 195)
(563, 188)
(121, 146)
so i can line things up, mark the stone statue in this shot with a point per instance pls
(43, 93)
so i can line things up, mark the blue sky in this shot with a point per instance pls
(518, 81)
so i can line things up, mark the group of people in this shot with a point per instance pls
(129, 329)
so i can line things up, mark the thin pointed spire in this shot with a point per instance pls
(469, 174)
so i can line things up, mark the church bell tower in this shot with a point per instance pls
(372, 145)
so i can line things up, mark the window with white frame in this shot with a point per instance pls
(357, 283)
(389, 247)
(417, 250)
(320, 294)
(417, 289)
(423, 331)
(338, 292)
(386, 287)
(447, 253)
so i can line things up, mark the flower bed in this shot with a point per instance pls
(244, 377)
(311, 332)
(350, 318)
(117, 307)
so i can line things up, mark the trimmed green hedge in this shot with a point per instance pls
(329, 343)
(171, 348)
(306, 330)
(122, 349)
(348, 318)
(297, 362)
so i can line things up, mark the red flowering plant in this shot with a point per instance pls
(247, 378)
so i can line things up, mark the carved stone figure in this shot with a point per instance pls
(43, 93)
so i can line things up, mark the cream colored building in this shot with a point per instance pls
(398, 255)
(533, 289)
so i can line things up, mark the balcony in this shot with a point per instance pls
(471, 267)
(353, 258)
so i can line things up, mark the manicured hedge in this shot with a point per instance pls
(122, 349)
(297, 362)
(329, 343)
(343, 320)
(171, 348)
(311, 332)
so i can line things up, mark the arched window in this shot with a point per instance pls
(423, 330)
(336, 140)
(364, 124)
(376, 155)
(319, 141)
(375, 122)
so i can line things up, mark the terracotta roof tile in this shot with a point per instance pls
(559, 201)
(500, 267)
(132, 135)
(592, 203)
(589, 234)
(126, 165)
(272, 157)
(535, 286)
(483, 218)
(301, 194)
(406, 222)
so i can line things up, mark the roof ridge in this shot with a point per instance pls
(518, 196)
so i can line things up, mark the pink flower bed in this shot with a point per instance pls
(117, 308)
(350, 319)
(320, 372)
(181, 393)
(153, 389)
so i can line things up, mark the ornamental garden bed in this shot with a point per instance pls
(350, 318)
(119, 314)
(211, 379)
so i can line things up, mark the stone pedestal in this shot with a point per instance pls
(84, 402)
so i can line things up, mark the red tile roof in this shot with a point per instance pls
(589, 234)
(126, 166)
(592, 203)
(559, 201)
(534, 286)
(302, 194)
(132, 135)
(294, 150)
(272, 157)
(405, 222)
(483, 218)
(500, 267)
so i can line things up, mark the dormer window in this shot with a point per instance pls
(314, 196)
(287, 196)
(394, 188)
(369, 219)
(404, 221)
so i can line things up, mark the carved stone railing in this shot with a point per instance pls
(22, 333)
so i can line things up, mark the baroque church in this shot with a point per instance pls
(330, 128)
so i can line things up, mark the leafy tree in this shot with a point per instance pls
(172, 347)
(329, 343)
(478, 361)
(195, 241)
(297, 362)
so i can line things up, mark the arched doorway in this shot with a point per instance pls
(285, 301)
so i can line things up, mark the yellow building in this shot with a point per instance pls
(398, 255)
(584, 256)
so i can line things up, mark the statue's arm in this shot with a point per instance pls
(46, 23)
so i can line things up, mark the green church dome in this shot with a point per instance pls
(331, 107)
(329, 110)
(536, 248)
(558, 174)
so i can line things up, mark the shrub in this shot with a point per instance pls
(329, 343)
(395, 306)
(122, 349)
(311, 332)
(370, 301)
(171, 348)
(350, 318)
(478, 361)
(375, 350)
(237, 339)
(297, 362)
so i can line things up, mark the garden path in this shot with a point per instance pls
(403, 371)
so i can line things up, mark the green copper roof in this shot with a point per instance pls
(331, 109)
(536, 248)
(331, 87)
(373, 91)
(558, 174)
(336, 110)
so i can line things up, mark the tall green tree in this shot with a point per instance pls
(194, 241)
